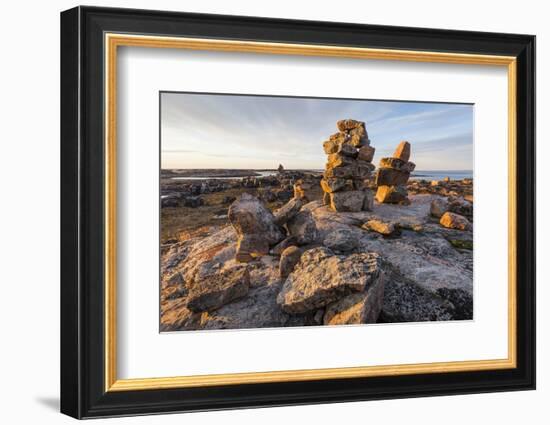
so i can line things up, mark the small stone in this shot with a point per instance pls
(289, 258)
(350, 201)
(213, 291)
(438, 207)
(384, 228)
(363, 169)
(455, 221)
(347, 172)
(434, 183)
(366, 153)
(331, 185)
(339, 160)
(403, 151)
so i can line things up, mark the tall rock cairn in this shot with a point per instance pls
(392, 176)
(345, 180)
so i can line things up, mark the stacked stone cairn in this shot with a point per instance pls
(345, 181)
(392, 176)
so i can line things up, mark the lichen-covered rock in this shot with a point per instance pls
(455, 221)
(302, 227)
(341, 239)
(460, 206)
(383, 227)
(289, 258)
(347, 172)
(287, 211)
(350, 201)
(438, 207)
(217, 289)
(321, 277)
(362, 307)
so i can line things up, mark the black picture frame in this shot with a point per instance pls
(83, 392)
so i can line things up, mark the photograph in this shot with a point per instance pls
(281, 211)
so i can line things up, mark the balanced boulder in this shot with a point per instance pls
(256, 227)
(393, 175)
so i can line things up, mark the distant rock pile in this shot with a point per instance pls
(349, 166)
(392, 176)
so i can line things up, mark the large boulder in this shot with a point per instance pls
(215, 290)
(321, 277)
(362, 307)
(255, 226)
(303, 228)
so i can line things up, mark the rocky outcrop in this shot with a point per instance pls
(393, 174)
(255, 226)
(321, 278)
(348, 167)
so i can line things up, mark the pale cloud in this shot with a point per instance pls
(233, 131)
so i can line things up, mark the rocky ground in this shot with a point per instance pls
(396, 263)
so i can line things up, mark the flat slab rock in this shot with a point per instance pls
(321, 277)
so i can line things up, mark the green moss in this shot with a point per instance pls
(462, 243)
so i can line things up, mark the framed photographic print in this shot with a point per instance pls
(261, 212)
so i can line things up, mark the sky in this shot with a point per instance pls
(261, 132)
